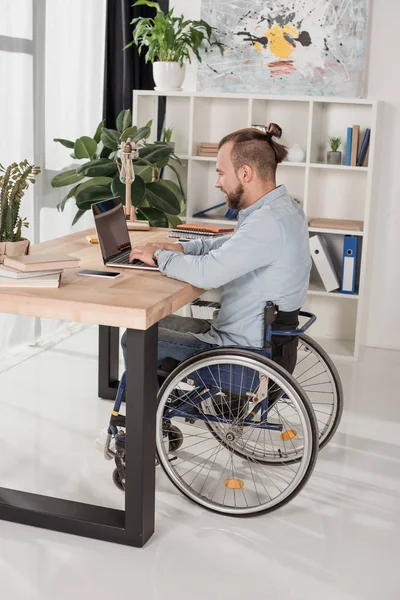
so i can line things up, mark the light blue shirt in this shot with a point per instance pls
(267, 258)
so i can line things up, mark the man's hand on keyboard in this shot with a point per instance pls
(145, 253)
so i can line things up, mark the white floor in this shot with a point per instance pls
(336, 541)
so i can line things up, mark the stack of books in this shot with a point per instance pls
(356, 150)
(35, 271)
(193, 232)
(208, 149)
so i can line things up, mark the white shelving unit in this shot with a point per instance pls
(324, 190)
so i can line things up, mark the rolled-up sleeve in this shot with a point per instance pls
(204, 246)
(255, 244)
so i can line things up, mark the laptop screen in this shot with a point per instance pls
(111, 227)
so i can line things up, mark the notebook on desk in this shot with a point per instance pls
(113, 235)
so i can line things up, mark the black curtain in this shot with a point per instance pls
(124, 70)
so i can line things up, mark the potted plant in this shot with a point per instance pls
(168, 42)
(158, 201)
(14, 180)
(334, 157)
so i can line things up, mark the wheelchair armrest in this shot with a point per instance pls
(311, 319)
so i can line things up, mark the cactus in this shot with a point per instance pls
(14, 180)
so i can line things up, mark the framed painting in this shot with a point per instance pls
(297, 47)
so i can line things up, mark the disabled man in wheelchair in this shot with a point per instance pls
(236, 432)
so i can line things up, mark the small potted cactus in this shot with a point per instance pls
(334, 157)
(14, 180)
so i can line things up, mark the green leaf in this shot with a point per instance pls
(138, 190)
(161, 197)
(78, 215)
(175, 189)
(155, 217)
(129, 132)
(97, 135)
(61, 205)
(99, 167)
(85, 147)
(66, 143)
(148, 3)
(66, 178)
(145, 172)
(173, 221)
(154, 153)
(110, 138)
(93, 194)
(105, 152)
(142, 133)
(178, 178)
(124, 120)
(103, 181)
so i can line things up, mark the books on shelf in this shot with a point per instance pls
(42, 262)
(345, 224)
(44, 281)
(356, 150)
(203, 309)
(193, 231)
(208, 149)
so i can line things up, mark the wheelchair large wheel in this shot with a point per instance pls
(318, 377)
(215, 392)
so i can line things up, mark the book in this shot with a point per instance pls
(348, 146)
(47, 281)
(42, 262)
(13, 274)
(354, 145)
(346, 224)
(363, 148)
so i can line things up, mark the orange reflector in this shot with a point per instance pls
(289, 434)
(234, 484)
(115, 414)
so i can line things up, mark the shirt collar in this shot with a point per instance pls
(265, 200)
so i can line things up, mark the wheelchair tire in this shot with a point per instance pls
(250, 487)
(327, 424)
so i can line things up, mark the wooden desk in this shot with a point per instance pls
(136, 300)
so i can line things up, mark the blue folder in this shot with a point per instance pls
(349, 265)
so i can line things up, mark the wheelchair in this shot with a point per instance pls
(236, 432)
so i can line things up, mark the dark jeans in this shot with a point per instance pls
(176, 339)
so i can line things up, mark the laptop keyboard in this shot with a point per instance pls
(121, 260)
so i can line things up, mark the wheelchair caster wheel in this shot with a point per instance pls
(117, 480)
(175, 438)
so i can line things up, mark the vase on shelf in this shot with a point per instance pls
(168, 76)
(296, 153)
(334, 158)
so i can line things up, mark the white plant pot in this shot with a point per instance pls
(168, 76)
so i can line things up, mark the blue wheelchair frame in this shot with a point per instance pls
(184, 408)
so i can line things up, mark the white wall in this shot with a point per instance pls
(382, 319)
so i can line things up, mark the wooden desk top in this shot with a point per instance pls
(137, 299)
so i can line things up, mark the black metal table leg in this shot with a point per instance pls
(136, 525)
(108, 362)
(141, 393)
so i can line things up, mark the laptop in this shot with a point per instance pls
(113, 235)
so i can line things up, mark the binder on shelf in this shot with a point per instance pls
(364, 147)
(230, 213)
(348, 146)
(349, 266)
(323, 263)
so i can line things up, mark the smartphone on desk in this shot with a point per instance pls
(91, 273)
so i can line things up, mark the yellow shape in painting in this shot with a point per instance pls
(277, 43)
(287, 435)
(234, 484)
(257, 47)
